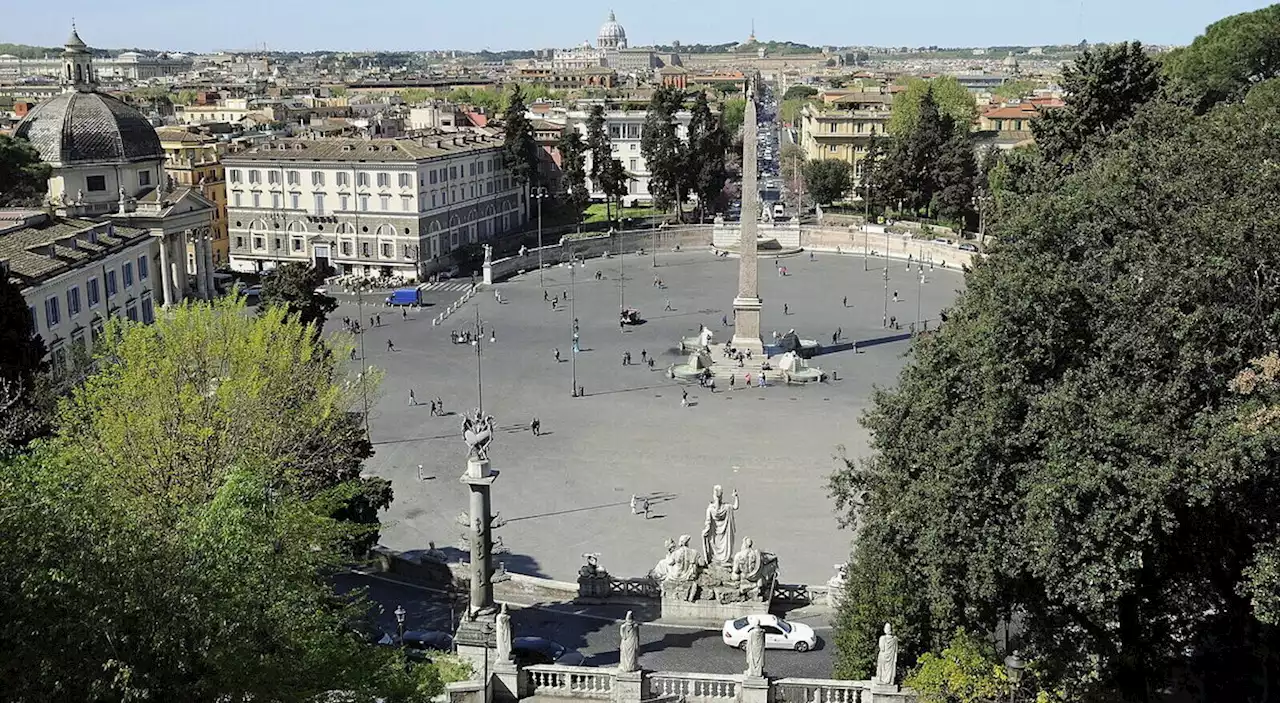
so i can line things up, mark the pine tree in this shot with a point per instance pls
(706, 168)
(600, 148)
(664, 154)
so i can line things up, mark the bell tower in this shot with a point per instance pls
(77, 64)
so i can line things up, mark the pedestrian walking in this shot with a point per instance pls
(390, 346)
(536, 427)
(748, 377)
(371, 321)
(668, 307)
(545, 296)
(651, 363)
(839, 332)
(581, 391)
(724, 320)
(711, 384)
(554, 302)
(895, 296)
(564, 295)
(434, 409)
(439, 406)
(811, 256)
(893, 322)
(845, 302)
(731, 380)
(404, 313)
(557, 353)
(684, 397)
(762, 384)
(644, 355)
(786, 309)
(835, 337)
(379, 319)
(644, 506)
(635, 504)
(412, 400)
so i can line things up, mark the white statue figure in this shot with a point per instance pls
(503, 635)
(755, 651)
(887, 659)
(704, 337)
(629, 650)
(477, 432)
(488, 255)
(80, 196)
(717, 531)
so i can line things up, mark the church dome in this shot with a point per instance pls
(612, 35)
(86, 127)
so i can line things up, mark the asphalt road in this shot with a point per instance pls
(662, 648)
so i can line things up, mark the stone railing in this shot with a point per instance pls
(695, 688)
(570, 681)
(795, 690)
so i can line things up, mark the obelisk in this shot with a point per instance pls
(746, 306)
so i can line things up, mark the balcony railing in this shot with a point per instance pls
(695, 688)
(570, 681)
(795, 690)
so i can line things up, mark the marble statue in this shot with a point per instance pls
(488, 255)
(755, 651)
(80, 196)
(434, 554)
(679, 570)
(704, 337)
(887, 658)
(717, 531)
(477, 432)
(629, 650)
(503, 635)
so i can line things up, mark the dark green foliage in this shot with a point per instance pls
(1070, 447)
(519, 150)
(705, 169)
(294, 287)
(931, 167)
(827, 181)
(21, 349)
(799, 92)
(1232, 56)
(665, 154)
(1103, 88)
(23, 176)
(573, 165)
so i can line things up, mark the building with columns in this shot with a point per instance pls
(368, 206)
(113, 214)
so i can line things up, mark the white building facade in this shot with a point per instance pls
(625, 128)
(368, 206)
(74, 274)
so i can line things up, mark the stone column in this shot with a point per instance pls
(209, 283)
(197, 245)
(166, 272)
(479, 478)
(746, 306)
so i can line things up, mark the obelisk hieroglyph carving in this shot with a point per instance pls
(746, 306)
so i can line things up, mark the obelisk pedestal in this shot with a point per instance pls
(746, 306)
(479, 478)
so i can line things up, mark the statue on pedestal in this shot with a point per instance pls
(629, 650)
(755, 651)
(477, 432)
(679, 571)
(503, 635)
(717, 531)
(887, 658)
(488, 255)
(754, 572)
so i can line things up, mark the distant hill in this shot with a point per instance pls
(26, 51)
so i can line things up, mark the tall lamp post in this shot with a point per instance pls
(400, 613)
(478, 342)
(540, 193)
(364, 383)
(655, 244)
(573, 314)
(866, 225)
(622, 272)
(919, 289)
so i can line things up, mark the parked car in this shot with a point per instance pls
(419, 643)
(968, 247)
(778, 633)
(537, 650)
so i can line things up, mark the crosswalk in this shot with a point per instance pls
(458, 286)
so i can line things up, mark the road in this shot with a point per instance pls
(662, 648)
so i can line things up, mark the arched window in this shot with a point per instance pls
(296, 227)
(386, 231)
(346, 228)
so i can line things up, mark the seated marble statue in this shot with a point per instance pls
(754, 571)
(679, 570)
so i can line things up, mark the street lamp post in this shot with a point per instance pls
(654, 245)
(540, 193)
(622, 273)
(364, 382)
(477, 341)
(573, 313)
(866, 225)
(919, 289)
(400, 613)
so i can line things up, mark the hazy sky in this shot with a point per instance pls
(507, 24)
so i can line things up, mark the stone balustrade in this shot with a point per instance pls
(797, 690)
(560, 681)
(695, 688)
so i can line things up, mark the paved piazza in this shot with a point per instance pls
(566, 493)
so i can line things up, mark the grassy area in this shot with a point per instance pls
(596, 213)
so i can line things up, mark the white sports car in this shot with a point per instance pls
(778, 633)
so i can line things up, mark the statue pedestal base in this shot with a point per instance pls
(488, 273)
(755, 689)
(477, 644)
(506, 682)
(709, 612)
(631, 686)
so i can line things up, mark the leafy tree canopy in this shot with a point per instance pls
(293, 286)
(1232, 55)
(799, 92)
(953, 100)
(1074, 447)
(827, 181)
(519, 150)
(23, 176)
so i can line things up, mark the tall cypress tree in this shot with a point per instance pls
(519, 150)
(663, 152)
(600, 147)
(573, 165)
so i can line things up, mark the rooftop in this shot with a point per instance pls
(39, 246)
(375, 150)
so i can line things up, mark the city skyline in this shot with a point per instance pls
(241, 25)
